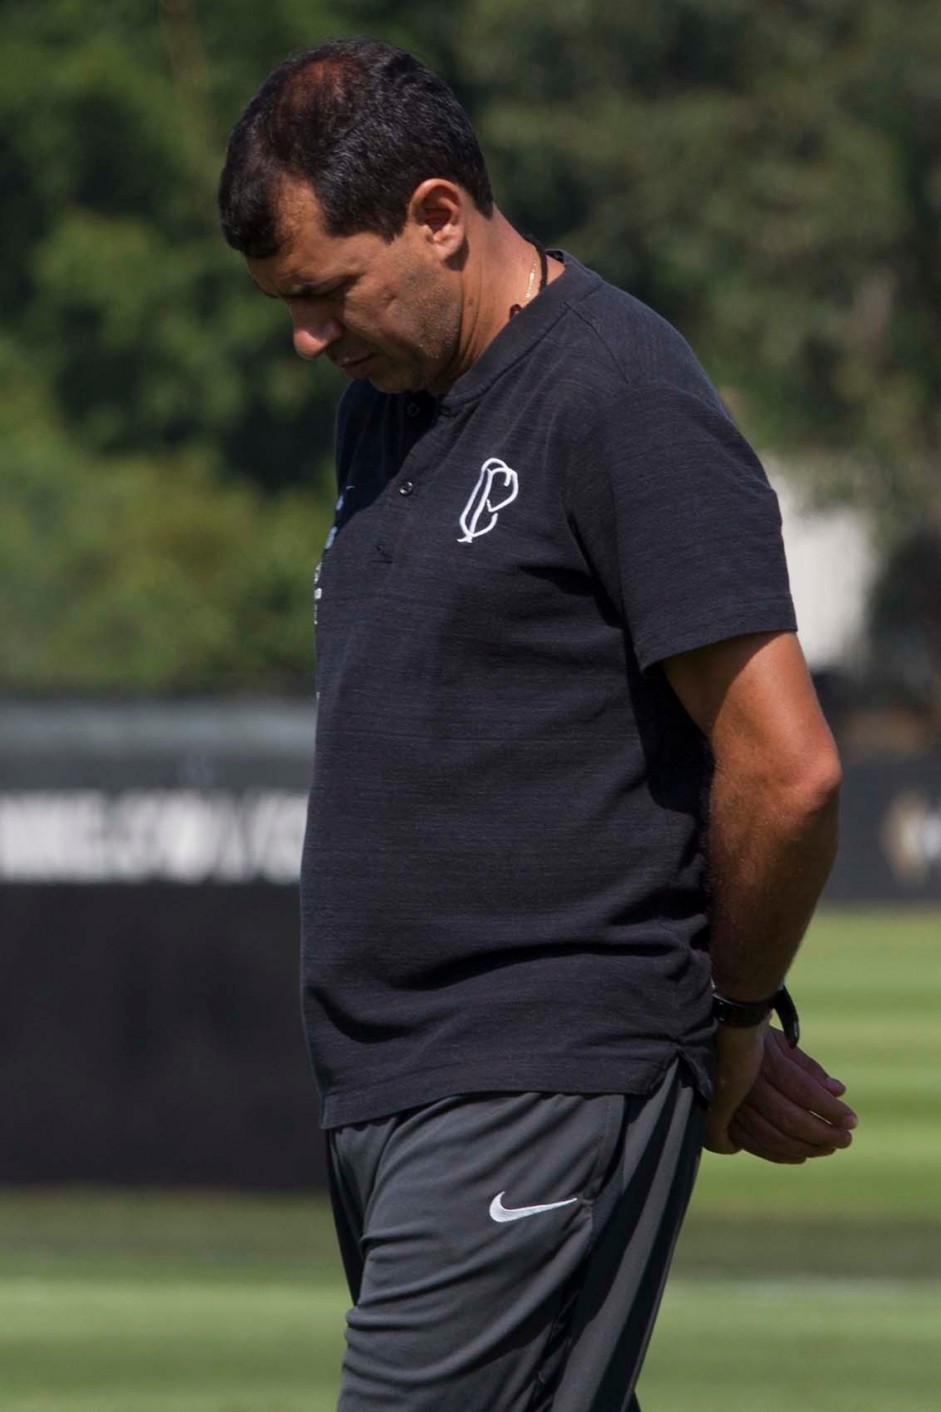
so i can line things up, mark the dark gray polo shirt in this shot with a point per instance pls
(503, 883)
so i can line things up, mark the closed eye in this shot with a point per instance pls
(309, 292)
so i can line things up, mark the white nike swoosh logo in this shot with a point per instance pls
(499, 1212)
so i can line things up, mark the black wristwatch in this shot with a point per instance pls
(742, 1014)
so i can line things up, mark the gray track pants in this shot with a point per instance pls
(507, 1252)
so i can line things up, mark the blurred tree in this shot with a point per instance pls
(767, 176)
(144, 576)
(112, 271)
(164, 456)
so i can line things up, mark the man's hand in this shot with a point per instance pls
(793, 1111)
(739, 1058)
(773, 1101)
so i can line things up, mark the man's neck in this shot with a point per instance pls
(502, 271)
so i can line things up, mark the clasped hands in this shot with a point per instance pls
(773, 1101)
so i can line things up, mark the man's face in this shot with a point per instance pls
(387, 311)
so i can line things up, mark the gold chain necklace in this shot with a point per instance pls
(532, 278)
(538, 259)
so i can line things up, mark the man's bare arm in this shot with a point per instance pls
(773, 827)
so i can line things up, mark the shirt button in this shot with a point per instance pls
(412, 408)
(406, 487)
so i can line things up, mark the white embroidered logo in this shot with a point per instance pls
(318, 591)
(336, 515)
(499, 1212)
(496, 480)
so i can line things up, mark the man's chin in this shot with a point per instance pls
(392, 380)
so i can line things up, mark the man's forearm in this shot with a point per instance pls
(771, 848)
(773, 817)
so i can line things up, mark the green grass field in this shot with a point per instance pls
(816, 1287)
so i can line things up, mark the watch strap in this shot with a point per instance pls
(744, 1014)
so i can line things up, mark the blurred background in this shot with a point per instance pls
(769, 178)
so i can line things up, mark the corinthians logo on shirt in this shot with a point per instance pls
(497, 486)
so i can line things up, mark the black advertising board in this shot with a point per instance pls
(890, 843)
(150, 1027)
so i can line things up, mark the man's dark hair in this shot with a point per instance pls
(362, 123)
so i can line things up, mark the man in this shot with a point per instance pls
(554, 640)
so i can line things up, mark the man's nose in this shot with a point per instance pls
(314, 332)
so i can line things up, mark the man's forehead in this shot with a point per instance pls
(298, 210)
(307, 255)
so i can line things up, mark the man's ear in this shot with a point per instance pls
(438, 208)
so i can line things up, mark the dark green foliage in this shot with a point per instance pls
(146, 333)
(145, 575)
(769, 177)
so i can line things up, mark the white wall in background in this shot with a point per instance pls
(831, 561)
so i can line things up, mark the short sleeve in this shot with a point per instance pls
(675, 514)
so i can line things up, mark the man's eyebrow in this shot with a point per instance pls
(311, 290)
(307, 290)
